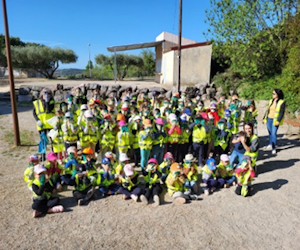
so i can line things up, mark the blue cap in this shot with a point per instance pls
(68, 95)
(211, 164)
(187, 111)
(105, 160)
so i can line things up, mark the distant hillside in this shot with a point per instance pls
(68, 72)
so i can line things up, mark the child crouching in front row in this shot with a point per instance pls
(225, 171)
(244, 175)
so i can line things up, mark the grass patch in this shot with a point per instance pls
(27, 137)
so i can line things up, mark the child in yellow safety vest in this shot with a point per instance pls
(209, 177)
(90, 165)
(146, 137)
(221, 138)
(122, 138)
(244, 174)
(174, 133)
(190, 171)
(164, 167)
(225, 171)
(29, 171)
(84, 189)
(119, 168)
(136, 127)
(54, 170)
(58, 141)
(159, 139)
(183, 146)
(70, 166)
(42, 189)
(175, 184)
(108, 185)
(70, 131)
(152, 178)
(129, 184)
(107, 137)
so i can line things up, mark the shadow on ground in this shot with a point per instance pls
(275, 185)
(269, 166)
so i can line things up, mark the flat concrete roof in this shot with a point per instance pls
(134, 46)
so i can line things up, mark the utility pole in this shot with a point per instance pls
(11, 79)
(179, 44)
(90, 63)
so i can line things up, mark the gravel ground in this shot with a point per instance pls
(268, 219)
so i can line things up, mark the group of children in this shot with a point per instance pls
(171, 140)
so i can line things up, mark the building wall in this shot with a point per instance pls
(167, 76)
(195, 65)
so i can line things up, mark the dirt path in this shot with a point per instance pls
(267, 220)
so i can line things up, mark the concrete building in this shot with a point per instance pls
(195, 59)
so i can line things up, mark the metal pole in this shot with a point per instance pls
(90, 66)
(11, 79)
(115, 65)
(179, 44)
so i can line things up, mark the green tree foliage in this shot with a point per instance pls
(123, 63)
(43, 59)
(149, 62)
(251, 33)
(14, 41)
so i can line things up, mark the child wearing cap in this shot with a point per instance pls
(164, 167)
(130, 182)
(42, 188)
(221, 139)
(107, 137)
(152, 179)
(159, 138)
(136, 127)
(88, 134)
(70, 165)
(84, 189)
(90, 166)
(29, 171)
(244, 174)
(209, 177)
(122, 138)
(225, 171)
(54, 170)
(175, 184)
(190, 172)
(146, 137)
(174, 133)
(184, 139)
(108, 185)
(70, 131)
(123, 160)
(58, 142)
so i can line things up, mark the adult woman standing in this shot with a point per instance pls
(274, 117)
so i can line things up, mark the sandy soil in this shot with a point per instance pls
(267, 220)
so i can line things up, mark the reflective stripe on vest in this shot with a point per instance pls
(277, 111)
(146, 143)
(253, 155)
(81, 186)
(42, 115)
(45, 195)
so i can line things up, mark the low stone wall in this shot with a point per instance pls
(30, 93)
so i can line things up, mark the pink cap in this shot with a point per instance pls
(128, 170)
(51, 156)
(160, 121)
(121, 123)
(224, 157)
(204, 116)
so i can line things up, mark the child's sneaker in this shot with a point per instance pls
(206, 192)
(195, 188)
(134, 197)
(274, 152)
(144, 200)
(36, 213)
(57, 209)
(156, 200)
(269, 147)
(226, 185)
(80, 202)
(193, 197)
(180, 200)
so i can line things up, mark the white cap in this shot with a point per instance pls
(39, 168)
(128, 170)
(124, 157)
(71, 149)
(172, 117)
(88, 114)
(137, 118)
(83, 106)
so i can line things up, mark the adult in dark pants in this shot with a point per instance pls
(274, 118)
(42, 188)
(199, 137)
(44, 110)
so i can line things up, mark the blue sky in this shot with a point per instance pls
(73, 24)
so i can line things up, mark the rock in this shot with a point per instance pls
(158, 89)
(94, 86)
(169, 94)
(25, 98)
(24, 91)
(37, 88)
(104, 91)
(68, 89)
(59, 87)
(35, 94)
(201, 85)
(59, 98)
(89, 94)
(231, 92)
(210, 91)
(144, 90)
(190, 92)
(204, 97)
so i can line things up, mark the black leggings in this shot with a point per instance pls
(155, 190)
(44, 205)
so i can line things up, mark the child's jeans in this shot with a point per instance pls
(136, 191)
(145, 154)
(113, 188)
(229, 179)
(189, 184)
(210, 183)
